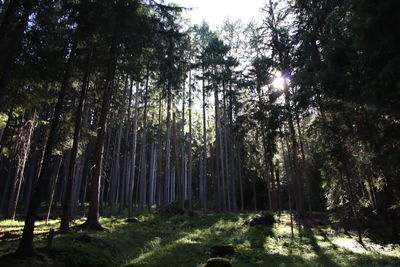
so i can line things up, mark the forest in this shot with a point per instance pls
(131, 137)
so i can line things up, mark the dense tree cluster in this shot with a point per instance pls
(124, 106)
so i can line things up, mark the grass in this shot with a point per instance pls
(186, 241)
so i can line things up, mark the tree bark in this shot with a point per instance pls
(190, 164)
(167, 152)
(182, 183)
(92, 222)
(25, 248)
(133, 153)
(204, 176)
(219, 155)
(21, 156)
(160, 187)
(77, 130)
(53, 183)
(143, 163)
(296, 171)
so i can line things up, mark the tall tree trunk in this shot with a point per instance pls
(152, 181)
(53, 182)
(33, 160)
(160, 188)
(296, 170)
(25, 248)
(126, 150)
(267, 155)
(21, 156)
(92, 222)
(143, 163)
(204, 176)
(254, 195)
(219, 154)
(274, 195)
(175, 165)
(278, 190)
(232, 149)
(190, 164)
(167, 152)
(182, 188)
(115, 177)
(133, 153)
(241, 184)
(303, 161)
(77, 130)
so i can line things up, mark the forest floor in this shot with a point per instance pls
(181, 240)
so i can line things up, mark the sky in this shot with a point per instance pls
(216, 11)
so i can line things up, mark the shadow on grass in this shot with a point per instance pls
(333, 255)
(190, 246)
(324, 259)
(186, 241)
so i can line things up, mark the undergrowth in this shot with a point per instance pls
(186, 241)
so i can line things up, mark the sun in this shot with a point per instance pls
(278, 82)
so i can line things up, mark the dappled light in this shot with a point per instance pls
(187, 241)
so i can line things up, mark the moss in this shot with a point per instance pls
(182, 240)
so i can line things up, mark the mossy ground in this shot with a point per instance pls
(186, 241)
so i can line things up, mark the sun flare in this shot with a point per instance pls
(278, 82)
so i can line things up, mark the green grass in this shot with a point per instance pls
(186, 241)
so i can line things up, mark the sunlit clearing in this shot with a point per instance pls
(354, 246)
(278, 82)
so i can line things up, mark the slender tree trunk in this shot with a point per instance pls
(296, 171)
(133, 153)
(160, 188)
(228, 174)
(351, 193)
(176, 167)
(204, 176)
(232, 145)
(241, 184)
(22, 156)
(278, 190)
(25, 248)
(70, 178)
(152, 183)
(104, 183)
(182, 155)
(54, 178)
(127, 152)
(190, 164)
(274, 195)
(267, 156)
(115, 177)
(303, 162)
(290, 212)
(92, 222)
(34, 160)
(254, 195)
(143, 163)
(167, 152)
(219, 153)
